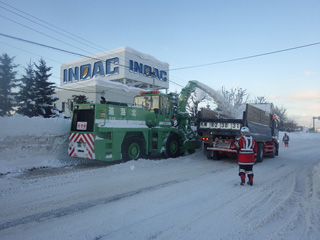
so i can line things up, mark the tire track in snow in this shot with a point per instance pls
(44, 216)
(296, 211)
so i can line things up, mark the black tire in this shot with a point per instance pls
(131, 148)
(173, 146)
(260, 154)
(209, 155)
(216, 155)
(277, 149)
(273, 154)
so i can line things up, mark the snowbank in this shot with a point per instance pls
(32, 143)
(27, 143)
(19, 125)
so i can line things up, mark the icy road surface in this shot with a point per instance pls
(185, 198)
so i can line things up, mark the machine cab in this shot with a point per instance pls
(154, 101)
(157, 105)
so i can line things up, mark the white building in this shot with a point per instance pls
(117, 75)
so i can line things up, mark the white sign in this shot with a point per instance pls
(122, 63)
(81, 125)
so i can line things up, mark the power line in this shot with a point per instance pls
(59, 49)
(19, 13)
(75, 39)
(44, 34)
(60, 29)
(75, 90)
(47, 46)
(243, 58)
(31, 53)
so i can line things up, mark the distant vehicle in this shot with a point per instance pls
(156, 123)
(219, 133)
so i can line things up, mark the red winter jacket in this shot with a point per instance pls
(247, 148)
(285, 138)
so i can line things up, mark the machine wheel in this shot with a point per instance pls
(172, 146)
(216, 155)
(131, 148)
(260, 153)
(277, 149)
(210, 154)
(273, 154)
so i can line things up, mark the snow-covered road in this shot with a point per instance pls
(185, 198)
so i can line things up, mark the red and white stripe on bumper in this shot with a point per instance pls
(81, 145)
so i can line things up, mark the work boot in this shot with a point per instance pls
(243, 177)
(250, 182)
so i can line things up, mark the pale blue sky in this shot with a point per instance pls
(187, 33)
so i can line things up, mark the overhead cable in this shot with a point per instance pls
(243, 58)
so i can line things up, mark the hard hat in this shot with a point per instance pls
(245, 129)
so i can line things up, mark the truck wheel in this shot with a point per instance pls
(210, 154)
(216, 155)
(277, 149)
(260, 153)
(273, 154)
(172, 146)
(131, 148)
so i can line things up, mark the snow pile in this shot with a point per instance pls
(32, 142)
(19, 125)
(218, 98)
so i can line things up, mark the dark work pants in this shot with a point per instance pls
(243, 169)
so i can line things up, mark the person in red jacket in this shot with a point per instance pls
(286, 139)
(247, 149)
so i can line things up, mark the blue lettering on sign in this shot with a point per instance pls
(163, 76)
(136, 67)
(73, 74)
(97, 69)
(156, 73)
(90, 70)
(108, 66)
(65, 75)
(148, 71)
(85, 71)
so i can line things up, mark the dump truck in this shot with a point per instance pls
(155, 123)
(219, 133)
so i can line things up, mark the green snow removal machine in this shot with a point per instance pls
(155, 123)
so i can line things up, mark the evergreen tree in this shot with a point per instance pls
(44, 99)
(28, 93)
(80, 99)
(7, 83)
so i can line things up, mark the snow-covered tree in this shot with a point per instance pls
(192, 106)
(45, 90)
(7, 83)
(235, 96)
(282, 114)
(260, 99)
(28, 93)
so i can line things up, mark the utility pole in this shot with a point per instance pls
(314, 127)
